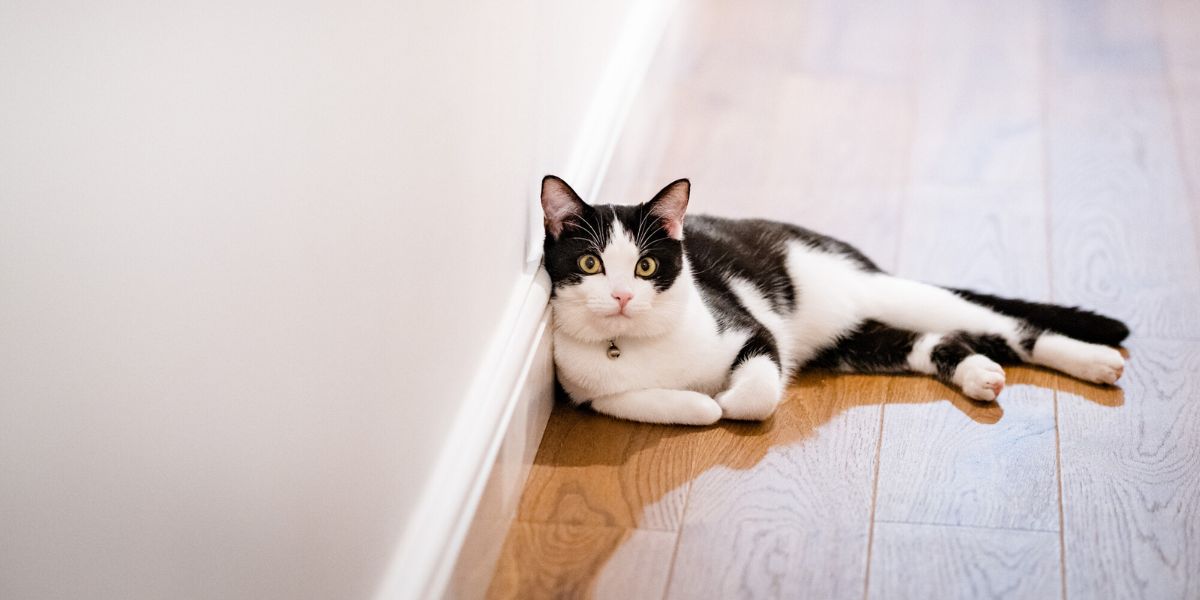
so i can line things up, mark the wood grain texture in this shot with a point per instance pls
(975, 218)
(978, 96)
(599, 471)
(1131, 478)
(579, 561)
(1180, 24)
(956, 462)
(781, 510)
(858, 39)
(1181, 30)
(1123, 235)
(926, 561)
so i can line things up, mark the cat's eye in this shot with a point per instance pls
(588, 263)
(646, 267)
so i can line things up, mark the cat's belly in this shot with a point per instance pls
(697, 361)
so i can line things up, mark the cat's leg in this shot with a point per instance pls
(920, 307)
(756, 382)
(675, 407)
(963, 360)
(972, 360)
(1089, 362)
(966, 361)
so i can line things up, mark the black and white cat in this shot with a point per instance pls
(667, 320)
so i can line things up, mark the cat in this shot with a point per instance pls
(665, 319)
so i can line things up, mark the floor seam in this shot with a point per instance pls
(874, 503)
(966, 526)
(1049, 228)
(687, 501)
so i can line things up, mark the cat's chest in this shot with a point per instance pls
(695, 360)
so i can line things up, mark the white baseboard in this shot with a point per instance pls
(472, 496)
(501, 495)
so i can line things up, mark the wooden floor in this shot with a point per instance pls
(1049, 150)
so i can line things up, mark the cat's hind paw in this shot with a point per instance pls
(1100, 364)
(980, 378)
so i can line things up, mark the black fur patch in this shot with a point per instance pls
(756, 251)
(589, 234)
(947, 354)
(1029, 336)
(585, 234)
(993, 347)
(872, 347)
(1070, 321)
(956, 346)
(760, 343)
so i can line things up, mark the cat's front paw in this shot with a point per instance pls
(979, 377)
(698, 409)
(754, 393)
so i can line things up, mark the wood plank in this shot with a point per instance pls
(1103, 37)
(1123, 239)
(978, 95)
(975, 218)
(579, 561)
(1131, 477)
(957, 462)
(1181, 30)
(782, 509)
(1180, 26)
(947, 460)
(1123, 236)
(836, 131)
(864, 40)
(598, 471)
(925, 561)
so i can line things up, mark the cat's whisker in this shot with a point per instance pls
(595, 235)
(640, 229)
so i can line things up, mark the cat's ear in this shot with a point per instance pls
(560, 204)
(670, 204)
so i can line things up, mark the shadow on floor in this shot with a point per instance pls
(596, 480)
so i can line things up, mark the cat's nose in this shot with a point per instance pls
(622, 297)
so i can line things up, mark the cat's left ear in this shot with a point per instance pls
(560, 204)
(670, 204)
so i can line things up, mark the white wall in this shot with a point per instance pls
(251, 255)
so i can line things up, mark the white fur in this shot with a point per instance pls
(921, 359)
(832, 296)
(1089, 362)
(754, 390)
(979, 377)
(589, 312)
(677, 407)
(669, 341)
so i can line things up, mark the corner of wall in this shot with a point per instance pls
(472, 497)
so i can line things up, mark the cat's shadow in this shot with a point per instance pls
(595, 471)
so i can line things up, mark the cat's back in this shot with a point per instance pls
(755, 248)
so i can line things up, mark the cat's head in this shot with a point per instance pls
(615, 269)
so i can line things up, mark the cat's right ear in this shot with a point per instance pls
(560, 204)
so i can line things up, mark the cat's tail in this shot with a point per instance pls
(1083, 325)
